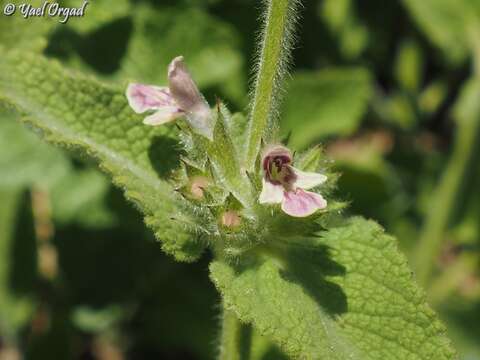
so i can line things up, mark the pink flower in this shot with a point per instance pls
(180, 98)
(283, 184)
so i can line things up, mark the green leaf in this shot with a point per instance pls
(348, 294)
(81, 113)
(323, 103)
(237, 127)
(446, 23)
(224, 159)
(210, 46)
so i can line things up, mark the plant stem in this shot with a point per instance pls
(277, 41)
(235, 338)
(443, 198)
(467, 114)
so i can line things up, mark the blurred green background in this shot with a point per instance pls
(389, 89)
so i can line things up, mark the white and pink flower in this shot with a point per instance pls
(180, 98)
(283, 184)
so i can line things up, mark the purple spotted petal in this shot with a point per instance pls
(148, 97)
(302, 203)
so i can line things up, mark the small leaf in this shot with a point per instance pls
(327, 102)
(347, 294)
(223, 156)
(237, 127)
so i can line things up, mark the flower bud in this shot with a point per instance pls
(231, 219)
(197, 187)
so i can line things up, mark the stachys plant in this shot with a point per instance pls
(292, 271)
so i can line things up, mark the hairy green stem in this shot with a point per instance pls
(277, 41)
(235, 338)
(444, 197)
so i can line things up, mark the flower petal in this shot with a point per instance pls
(163, 115)
(302, 203)
(183, 88)
(307, 180)
(271, 193)
(189, 99)
(148, 97)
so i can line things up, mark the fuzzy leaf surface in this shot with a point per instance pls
(348, 294)
(78, 112)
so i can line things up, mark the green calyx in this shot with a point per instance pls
(223, 196)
